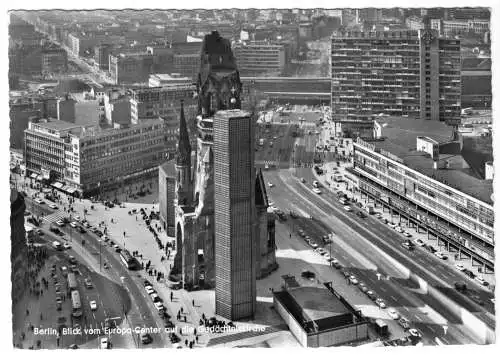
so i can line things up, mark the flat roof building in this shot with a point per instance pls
(319, 316)
(259, 57)
(403, 73)
(416, 168)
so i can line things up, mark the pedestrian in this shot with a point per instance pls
(171, 296)
(186, 342)
(185, 319)
(194, 331)
(192, 302)
(290, 235)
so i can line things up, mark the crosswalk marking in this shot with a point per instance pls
(54, 217)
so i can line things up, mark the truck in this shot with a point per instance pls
(57, 246)
(381, 328)
(369, 209)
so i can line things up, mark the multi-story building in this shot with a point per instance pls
(131, 68)
(19, 248)
(458, 27)
(414, 23)
(54, 60)
(87, 159)
(101, 56)
(260, 57)
(157, 80)
(234, 176)
(165, 102)
(416, 169)
(405, 73)
(187, 64)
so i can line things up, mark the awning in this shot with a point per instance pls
(71, 190)
(57, 185)
(33, 175)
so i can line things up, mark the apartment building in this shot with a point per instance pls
(406, 73)
(259, 57)
(423, 177)
(458, 27)
(87, 159)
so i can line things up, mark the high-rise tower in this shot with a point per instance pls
(235, 273)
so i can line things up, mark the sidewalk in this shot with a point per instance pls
(327, 180)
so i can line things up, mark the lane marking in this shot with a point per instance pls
(420, 319)
(394, 298)
(383, 288)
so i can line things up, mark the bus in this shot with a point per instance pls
(76, 304)
(127, 259)
(72, 284)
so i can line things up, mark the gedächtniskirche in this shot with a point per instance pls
(186, 195)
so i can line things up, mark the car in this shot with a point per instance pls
(294, 214)
(86, 224)
(469, 273)
(378, 215)
(371, 295)
(360, 214)
(73, 224)
(414, 333)
(392, 225)
(303, 180)
(317, 191)
(105, 343)
(73, 347)
(480, 280)
(301, 232)
(53, 206)
(398, 229)
(335, 263)
(307, 239)
(88, 283)
(39, 201)
(66, 245)
(270, 203)
(320, 251)
(327, 256)
(348, 208)
(60, 223)
(308, 274)
(420, 243)
(149, 289)
(393, 314)
(380, 302)
(353, 280)
(363, 287)
(405, 323)
(408, 245)
(406, 234)
(270, 184)
(93, 305)
(159, 306)
(346, 274)
(146, 338)
(147, 283)
(460, 267)
(326, 239)
(314, 245)
(116, 246)
(81, 230)
(440, 255)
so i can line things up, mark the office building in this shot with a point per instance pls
(54, 60)
(460, 27)
(235, 290)
(131, 68)
(187, 64)
(260, 57)
(101, 56)
(157, 80)
(416, 169)
(403, 73)
(88, 158)
(165, 102)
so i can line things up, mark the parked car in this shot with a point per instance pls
(480, 280)
(371, 295)
(93, 305)
(469, 273)
(408, 245)
(406, 234)
(348, 208)
(362, 287)
(314, 245)
(360, 214)
(335, 263)
(440, 255)
(73, 224)
(353, 280)
(316, 191)
(149, 289)
(460, 267)
(88, 283)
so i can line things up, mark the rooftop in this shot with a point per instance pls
(317, 303)
(58, 125)
(400, 139)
